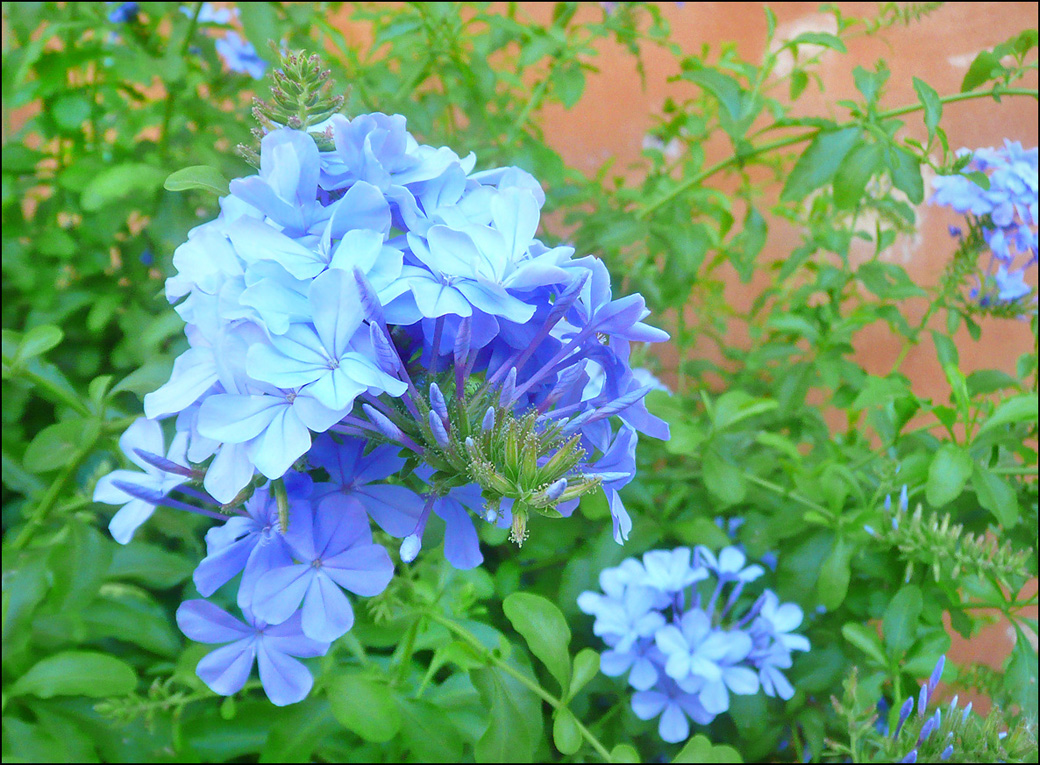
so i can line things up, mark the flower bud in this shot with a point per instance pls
(410, 547)
(440, 434)
(437, 402)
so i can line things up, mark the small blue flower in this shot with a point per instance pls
(240, 55)
(251, 544)
(729, 565)
(333, 546)
(675, 707)
(226, 669)
(140, 441)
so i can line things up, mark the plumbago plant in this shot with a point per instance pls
(382, 383)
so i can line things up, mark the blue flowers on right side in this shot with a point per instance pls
(1006, 213)
(675, 623)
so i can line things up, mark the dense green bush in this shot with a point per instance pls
(439, 667)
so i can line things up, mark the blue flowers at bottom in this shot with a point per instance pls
(676, 625)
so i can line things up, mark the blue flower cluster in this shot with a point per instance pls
(674, 623)
(1006, 211)
(353, 309)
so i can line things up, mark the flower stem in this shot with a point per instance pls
(535, 688)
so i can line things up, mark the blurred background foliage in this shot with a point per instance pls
(788, 432)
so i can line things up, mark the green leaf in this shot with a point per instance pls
(905, 170)
(260, 24)
(514, 718)
(70, 111)
(880, 390)
(747, 245)
(995, 495)
(146, 378)
(945, 349)
(586, 665)
(985, 67)
(569, 84)
(736, 406)
(1015, 410)
(979, 178)
(131, 615)
(77, 673)
(53, 446)
(932, 105)
(1025, 42)
(365, 706)
(824, 39)
(870, 83)
(149, 565)
(887, 280)
(835, 573)
(118, 183)
(545, 629)
(700, 749)
(899, 624)
(1021, 675)
(566, 735)
(861, 164)
(298, 731)
(799, 82)
(197, 177)
(866, 640)
(723, 87)
(624, 753)
(820, 162)
(429, 732)
(949, 471)
(38, 340)
(723, 479)
(986, 381)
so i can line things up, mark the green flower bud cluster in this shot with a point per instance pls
(949, 551)
(301, 96)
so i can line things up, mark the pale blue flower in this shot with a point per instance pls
(138, 442)
(240, 55)
(225, 670)
(333, 544)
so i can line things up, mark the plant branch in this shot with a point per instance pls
(791, 140)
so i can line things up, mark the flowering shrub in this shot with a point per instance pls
(342, 456)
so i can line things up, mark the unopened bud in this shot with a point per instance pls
(508, 387)
(554, 490)
(437, 402)
(410, 547)
(383, 423)
(440, 434)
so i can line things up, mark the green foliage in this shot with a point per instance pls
(788, 431)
